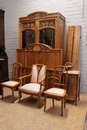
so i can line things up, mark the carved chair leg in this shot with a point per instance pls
(76, 102)
(39, 101)
(62, 107)
(31, 96)
(2, 92)
(65, 101)
(19, 95)
(44, 102)
(53, 101)
(13, 95)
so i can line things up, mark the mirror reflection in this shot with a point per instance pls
(28, 37)
(47, 36)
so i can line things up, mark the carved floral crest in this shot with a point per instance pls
(36, 15)
(28, 25)
(50, 23)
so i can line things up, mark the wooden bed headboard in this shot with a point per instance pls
(39, 53)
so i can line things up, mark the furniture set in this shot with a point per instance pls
(34, 83)
(39, 67)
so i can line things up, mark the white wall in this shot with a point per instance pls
(75, 12)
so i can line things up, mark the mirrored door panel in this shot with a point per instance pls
(28, 37)
(47, 36)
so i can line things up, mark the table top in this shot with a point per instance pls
(74, 72)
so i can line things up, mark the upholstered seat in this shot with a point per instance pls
(32, 88)
(10, 83)
(56, 92)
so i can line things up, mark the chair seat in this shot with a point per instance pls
(31, 88)
(15, 79)
(10, 83)
(56, 92)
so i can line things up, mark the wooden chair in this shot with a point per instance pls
(59, 88)
(36, 85)
(14, 82)
(70, 66)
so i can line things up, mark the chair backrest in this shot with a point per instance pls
(38, 73)
(34, 74)
(70, 66)
(16, 71)
(60, 78)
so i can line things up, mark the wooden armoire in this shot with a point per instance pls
(42, 27)
(45, 29)
(3, 55)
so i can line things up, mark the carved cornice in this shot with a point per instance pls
(37, 15)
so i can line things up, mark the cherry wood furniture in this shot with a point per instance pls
(41, 40)
(37, 53)
(36, 82)
(59, 89)
(74, 76)
(74, 85)
(42, 27)
(72, 56)
(3, 55)
(73, 44)
(14, 82)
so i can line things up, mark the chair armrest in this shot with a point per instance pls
(23, 77)
(42, 80)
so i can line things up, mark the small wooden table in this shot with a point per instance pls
(74, 85)
(0, 75)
